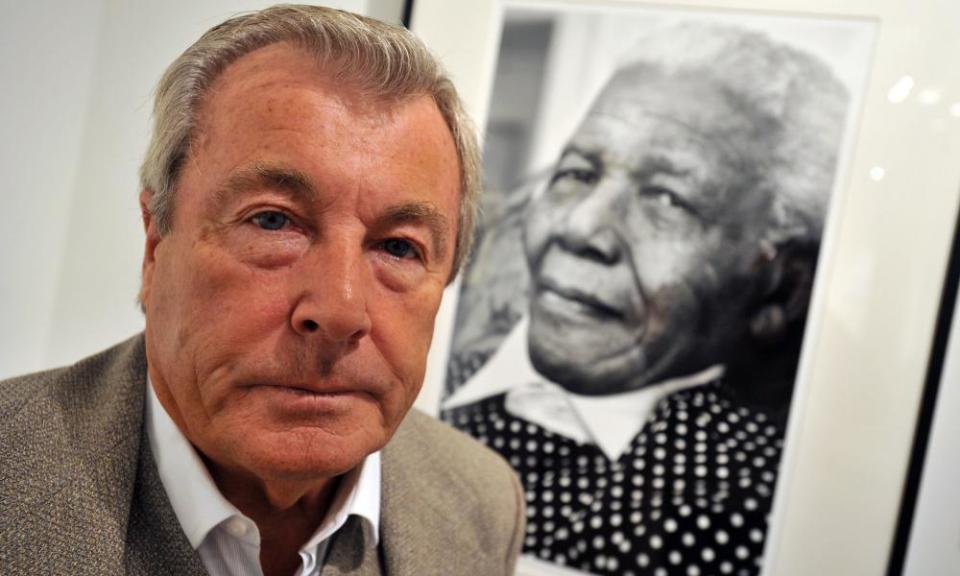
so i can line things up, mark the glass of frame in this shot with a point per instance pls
(857, 379)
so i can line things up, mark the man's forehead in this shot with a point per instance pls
(678, 109)
(283, 68)
(276, 58)
(701, 102)
(283, 87)
(644, 139)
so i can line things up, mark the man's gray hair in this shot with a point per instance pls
(795, 105)
(383, 62)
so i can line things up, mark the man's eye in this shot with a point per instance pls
(664, 196)
(399, 248)
(582, 175)
(271, 220)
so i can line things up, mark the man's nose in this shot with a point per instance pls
(332, 304)
(590, 227)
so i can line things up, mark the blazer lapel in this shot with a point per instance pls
(350, 554)
(155, 542)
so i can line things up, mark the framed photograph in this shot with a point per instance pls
(682, 325)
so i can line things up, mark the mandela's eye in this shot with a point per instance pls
(271, 220)
(581, 175)
(667, 197)
(399, 248)
(575, 168)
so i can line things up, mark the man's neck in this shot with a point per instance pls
(286, 515)
(282, 535)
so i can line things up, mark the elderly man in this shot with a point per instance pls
(641, 394)
(307, 195)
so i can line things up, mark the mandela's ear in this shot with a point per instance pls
(788, 273)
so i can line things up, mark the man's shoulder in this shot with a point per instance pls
(57, 421)
(457, 496)
(68, 459)
(451, 459)
(81, 385)
(428, 440)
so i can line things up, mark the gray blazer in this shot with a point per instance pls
(80, 493)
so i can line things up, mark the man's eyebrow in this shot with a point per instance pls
(587, 155)
(423, 213)
(661, 163)
(277, 178)
(653, 163)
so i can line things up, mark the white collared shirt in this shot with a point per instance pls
(610, 421)
(227, 541)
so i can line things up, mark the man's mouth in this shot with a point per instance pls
(571, 297)
(325, 389)
(302, 390)
(296, 397)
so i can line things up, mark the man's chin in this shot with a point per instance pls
(582, 385)
(593, 364)
(301, 453)
(314, 462)
(582, 376)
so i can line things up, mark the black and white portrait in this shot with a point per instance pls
(629, 328)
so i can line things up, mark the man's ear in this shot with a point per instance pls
(788, 272)
(151, 240)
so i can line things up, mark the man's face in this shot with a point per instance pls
(290, 309)
(643, 249)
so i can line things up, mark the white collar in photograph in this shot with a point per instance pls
(611, 422)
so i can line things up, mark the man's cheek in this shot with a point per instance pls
(223, 286)
(403, 329)
(416, 325)
(535, 235)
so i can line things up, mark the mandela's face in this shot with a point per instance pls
(643, 249)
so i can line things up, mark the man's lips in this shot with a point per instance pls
(577, 296)
(303, 398)
(297, 401)
(310, 389)
(307, 391)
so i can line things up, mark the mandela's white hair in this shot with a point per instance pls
(795, 105)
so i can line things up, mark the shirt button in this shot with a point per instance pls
(236, 527)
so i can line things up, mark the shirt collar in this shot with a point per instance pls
(610, 421)
(200, 507)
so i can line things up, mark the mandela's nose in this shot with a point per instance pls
(589, 228)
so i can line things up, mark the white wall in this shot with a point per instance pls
(77, 81)
(48, 51)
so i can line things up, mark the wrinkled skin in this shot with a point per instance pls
(290, 309)
(645, 250)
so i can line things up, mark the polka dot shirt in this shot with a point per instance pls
(689, 497)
